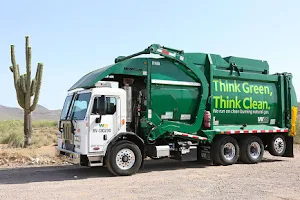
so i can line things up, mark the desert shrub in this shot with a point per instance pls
(13, 139)
(45, 137)
(44, 124)
(44, 133)
(297, 137)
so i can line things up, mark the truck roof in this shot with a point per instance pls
(124, 64)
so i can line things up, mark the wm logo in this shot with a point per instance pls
(263, 119)
(103, 125)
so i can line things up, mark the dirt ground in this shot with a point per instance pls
(274, 178)
(16, 157)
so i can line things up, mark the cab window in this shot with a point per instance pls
(111, 105)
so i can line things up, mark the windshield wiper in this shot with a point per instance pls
(73, 118)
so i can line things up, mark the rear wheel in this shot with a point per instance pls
(124, 159)
(252, 150)
(225, 150)
(277, 145)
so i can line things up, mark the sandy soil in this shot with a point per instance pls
(17, 157)
(274, 178)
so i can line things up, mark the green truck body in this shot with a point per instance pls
(203, 97)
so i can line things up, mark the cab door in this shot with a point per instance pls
(103, 128)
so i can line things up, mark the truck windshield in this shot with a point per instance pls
(66, 107)
(80, 106)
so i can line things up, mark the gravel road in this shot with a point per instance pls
(274, 178)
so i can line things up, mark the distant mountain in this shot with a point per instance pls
(40, 113)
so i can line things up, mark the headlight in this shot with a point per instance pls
(77, 138)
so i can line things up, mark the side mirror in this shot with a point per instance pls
(101, 107)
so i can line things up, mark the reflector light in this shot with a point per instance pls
(165, 52)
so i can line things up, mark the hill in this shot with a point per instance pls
(40, 113)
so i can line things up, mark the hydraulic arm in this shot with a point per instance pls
(195, 72)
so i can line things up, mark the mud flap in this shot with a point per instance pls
(142, 164)
(289, 151)
(143, 161)
(204, 154)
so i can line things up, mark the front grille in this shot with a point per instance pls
(67, 132)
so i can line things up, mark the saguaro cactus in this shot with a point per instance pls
(26, 89)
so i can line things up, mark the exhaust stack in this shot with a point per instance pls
(127, 82)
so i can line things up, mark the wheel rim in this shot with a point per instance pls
(125, 159)
(229, 151)
(255, 150)
(278, 145)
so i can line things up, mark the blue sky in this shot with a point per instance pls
(75, 37)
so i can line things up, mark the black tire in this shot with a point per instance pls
(132, 150)
(249, 146)
(277, 145)
(218, 153)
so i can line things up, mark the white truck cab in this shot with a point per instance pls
(96, 116)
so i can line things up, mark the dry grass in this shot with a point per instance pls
(11, 133)
(42, 151)
(297, 137)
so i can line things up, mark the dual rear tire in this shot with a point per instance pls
(227, 151)
(252, 150)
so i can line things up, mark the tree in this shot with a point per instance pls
(26, 89)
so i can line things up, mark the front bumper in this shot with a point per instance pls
(68, 156)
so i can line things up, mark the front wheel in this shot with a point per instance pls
(124, 159)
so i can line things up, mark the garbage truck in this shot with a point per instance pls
(177, 105)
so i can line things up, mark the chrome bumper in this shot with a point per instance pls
(68, 156)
